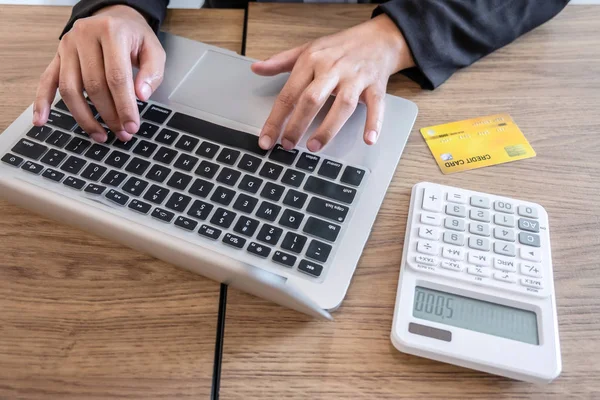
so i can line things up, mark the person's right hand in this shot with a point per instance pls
(97, 56)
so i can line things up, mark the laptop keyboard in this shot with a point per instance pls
(286, 206)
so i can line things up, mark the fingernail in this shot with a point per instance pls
(131, 127)
(314, 145)
(98, 137)
(265, 142)
(123, 136)
(372, 137)
(288, 145)
(146, 91)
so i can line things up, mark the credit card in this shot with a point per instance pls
(477, 142)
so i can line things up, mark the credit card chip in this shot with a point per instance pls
(516, 150)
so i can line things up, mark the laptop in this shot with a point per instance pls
(194, 189)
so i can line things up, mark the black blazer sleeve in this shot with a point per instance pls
(446, 35)
(153, 10)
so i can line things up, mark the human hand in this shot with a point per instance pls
(97, 55)
(354, 65)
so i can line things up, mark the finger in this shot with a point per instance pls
(375, 102)
(71, 90)
(342, 108)
(46, 92)
(151, 61)
(119, 76)
(282, 62)
(310, 103)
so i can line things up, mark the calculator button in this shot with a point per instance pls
(530, 269)
(456, 197)
(455, 224)
(479, 215)
(504, 220)
(479, 229)
(431, 219)
(429, 233)
(481, 259)
(453, 253)
(456, 210)
(454, 238)
(478, 243)
(506, 249)
(427, 260)
(432, 199)
(481, 202)
(527, 211)
(427, 247)
(505, 264)
(529, 225)
(504, 234)
(479, 271)
(505, 277)
(453, 266)
(529, 239)
(530, 254)
(504, 206)
(530, 282)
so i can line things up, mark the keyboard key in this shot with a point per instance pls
(531, 269)
(479, 215)
(291, 219)
(209, 232)
(156, 194)
(310, 268)
(250, 184)
(187, 143)
(529, 225)
(327, 209)
(428, 247)
(308, 162)
(58, 139)
(93, 172)
(284, 259)
(162, 215)
(331, 190)
(479, 229)
(249, 163)
(432, 199)
(457, 210)
(295, 199)
(481, 202)
(228, 176)
(186, 162)
(318, 251)
(135, 186)
(245, 203)
(530, 254)
(529, 239)
(271, 171)
(158, 173)
(11, 159)
(200, 210)
(477, 258)
(147, 130)
(293, 242)
(504, 206)
(272, 191)
(74, 183)
(429, 233)
(207, 150)
(178, 202)
(259, 250)
(479, 271)
(452, 266)
(186, 223)
(165, 155)
(352, 176)
(223, 217)
(29, 148)
(61, 120)
(141, 105)
(77, 145)
(222, 195)
(453, 253)
(145, 148)
(228, 156)
(207, 169)
(246, 226)
(97, 152)
(269, 234)
(157, 114)
(216, 133)
(479, 243)
(504, 220)
(533, 283)
(432, 219)
(454, 238)
(117, 159)
(53, 175)
(201, 188)
(234, 240)
(167, 136)
(505, 276)
(114, 178)
(322, 229)
(137, 166)
(504, 234)
(53, 157)
(125, 145)
(293, 178)
(73, 165)
(179, 181)
(282, 155)
(268, 211)
(527, 211)
(506, 249)
(92, 188)
(40, 133)
(505, 264)
(330, 169)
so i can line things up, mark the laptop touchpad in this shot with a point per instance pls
(224, 85)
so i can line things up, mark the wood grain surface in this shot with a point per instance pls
(82, 317)
(549, 81)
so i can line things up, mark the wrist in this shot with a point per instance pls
(122, 11)
(401, 56)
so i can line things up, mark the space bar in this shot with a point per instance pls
(216, 133)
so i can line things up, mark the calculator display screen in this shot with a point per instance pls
(476, 315)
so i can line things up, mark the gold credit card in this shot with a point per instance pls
(477, 142)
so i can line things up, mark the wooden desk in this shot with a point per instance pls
(82, 317)
(549, 81)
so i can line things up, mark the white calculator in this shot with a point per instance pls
(476, 287)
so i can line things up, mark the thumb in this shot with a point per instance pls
(151, 69)
(282, 62)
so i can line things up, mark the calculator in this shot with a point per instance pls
(476, 287)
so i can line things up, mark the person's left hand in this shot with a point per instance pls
(354, 65)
